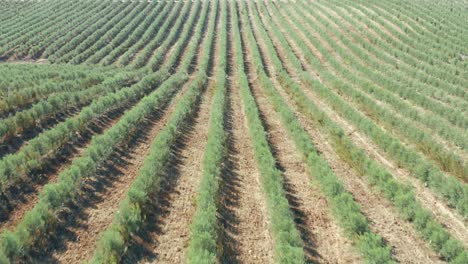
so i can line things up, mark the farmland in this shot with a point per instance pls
(233, 131)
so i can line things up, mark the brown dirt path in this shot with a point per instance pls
(245, 218)
(179, 199)
(243, 214)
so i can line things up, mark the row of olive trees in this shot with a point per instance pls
(65, 20)
(15, 168)
(287, 239)
(50, 47)
(54, 105)
(100, 29)
(22, 30)
(205, 228)
(74, 43)
(15, 100)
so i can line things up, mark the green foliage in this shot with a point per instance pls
(204, 227)
(373, 248)
(387, 67)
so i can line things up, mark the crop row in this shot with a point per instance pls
(96, 153)
(80, 42)
(55, 104)
(17, 100)
(398, 73)
(182, 37)
(157, 27)
(117, 32)
(34, 46)
(203, 244)
(132, 210)
(14, 10)
(385, 56)
(99, 31)
(16, 167)
(432, 74)
(178, 36)
(28, 17)
(385, 94)
(162, 38)
(288, 243)
(437, 37)
(23, 32)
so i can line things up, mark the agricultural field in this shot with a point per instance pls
(232, 131)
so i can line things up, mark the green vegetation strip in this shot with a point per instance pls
(117, 33)
(96, 35)
(55, 104)
(203, 245)
(423, 142)
(126, 39)
(139, 42)
(72, 42)
(16, 100)
(159, 43)
(49, 49)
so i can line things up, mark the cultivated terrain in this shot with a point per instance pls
(234, 131)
